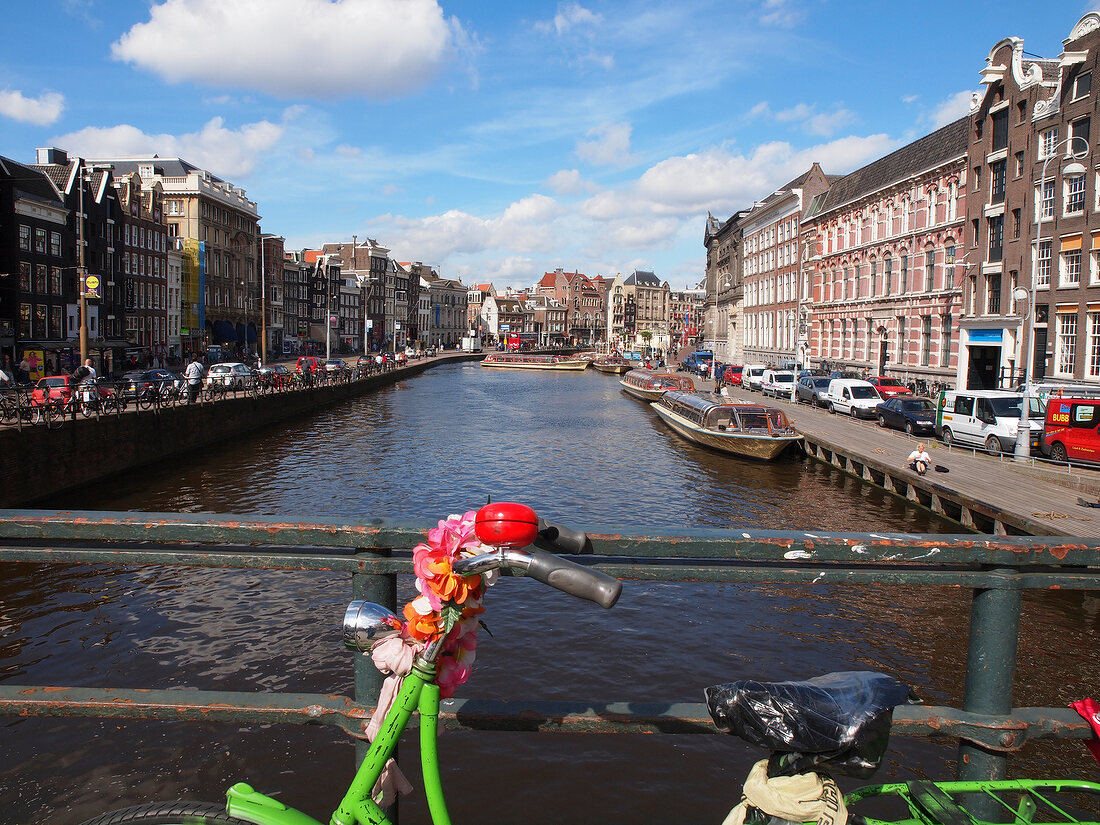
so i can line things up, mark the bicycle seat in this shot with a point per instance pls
(839, 721)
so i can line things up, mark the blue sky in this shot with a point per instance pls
(501, 140)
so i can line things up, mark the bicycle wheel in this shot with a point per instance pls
(180, 812)
(144, 400)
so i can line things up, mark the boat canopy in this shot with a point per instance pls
(717, 415)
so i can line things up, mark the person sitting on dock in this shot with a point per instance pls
(919, 459)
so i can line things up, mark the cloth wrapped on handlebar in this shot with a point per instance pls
(836, 723)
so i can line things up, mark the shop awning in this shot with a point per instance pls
(223, 333)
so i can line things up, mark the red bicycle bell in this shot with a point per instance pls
(506, 524)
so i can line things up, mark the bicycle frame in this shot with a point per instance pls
(418, 693)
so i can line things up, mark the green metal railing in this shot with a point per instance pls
(997, 570)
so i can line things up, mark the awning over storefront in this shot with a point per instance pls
(224, 333)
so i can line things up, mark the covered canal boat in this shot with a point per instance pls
(530, 361)
(649, 385)
(614, 364)
(746, 430)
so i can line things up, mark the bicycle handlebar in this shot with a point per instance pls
(510, 527)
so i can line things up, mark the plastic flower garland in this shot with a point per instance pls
(448, 605)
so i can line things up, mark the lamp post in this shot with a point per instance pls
(1023, 431)
(82, 271)
(263, 302)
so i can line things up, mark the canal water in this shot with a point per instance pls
(579, 451)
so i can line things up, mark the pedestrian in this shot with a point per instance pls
(194, 373)
(919, 459)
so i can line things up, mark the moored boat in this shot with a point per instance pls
(614, 364)
(532, 361)
(739, 428)
(649, 385)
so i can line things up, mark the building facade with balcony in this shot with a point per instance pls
(1033, 213)
(881, 249)
(719, 322)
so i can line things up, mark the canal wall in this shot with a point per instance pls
(37, 462)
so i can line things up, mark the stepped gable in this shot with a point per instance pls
(926, 153)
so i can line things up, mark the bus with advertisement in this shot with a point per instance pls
(521, 340)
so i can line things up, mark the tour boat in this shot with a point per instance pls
(531, 361)
(615, 364)
(649, 385)
(739, 428)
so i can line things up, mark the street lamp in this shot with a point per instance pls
(1023, 432)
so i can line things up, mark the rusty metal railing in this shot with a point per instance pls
(373, 552)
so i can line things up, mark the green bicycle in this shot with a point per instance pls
(461, 558)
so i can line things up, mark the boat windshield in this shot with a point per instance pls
(753, 419)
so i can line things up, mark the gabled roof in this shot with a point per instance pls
(29, 180)
(928, 152)
(640, 277)
(310, 256)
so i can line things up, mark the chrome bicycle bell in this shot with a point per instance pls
(367, 623)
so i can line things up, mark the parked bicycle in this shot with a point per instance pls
(829, 724)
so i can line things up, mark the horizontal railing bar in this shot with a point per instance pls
(734, 544)
(1005, 733)
(837, 573)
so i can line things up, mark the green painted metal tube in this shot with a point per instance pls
(429, 755)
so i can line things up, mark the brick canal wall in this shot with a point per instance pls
(36, 462)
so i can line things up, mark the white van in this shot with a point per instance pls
(853, 397)
(777, 382)
(986, 418)
(751, 375)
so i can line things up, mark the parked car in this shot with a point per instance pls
(232, 375)
(1070, 432)
(914, 414)
(310, 363)
(853, 397)
(275, 374)
(888, 387)
(751, 374)
(849, 374)
(813, 371)
(777, 382)
(987, 418)
(336, 365)
(813, 389)
(157, 380)
(732, 375)
(59, 389)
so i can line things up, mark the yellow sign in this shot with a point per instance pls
(91, 286)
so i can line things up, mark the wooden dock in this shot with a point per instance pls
(989, 494)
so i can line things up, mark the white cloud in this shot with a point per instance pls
(610, 145)
(822, 124)
(41, 111)
(950, 110)
(780, 13)
(568, 182)
(569, 16)
(228, 153)
(324, 48)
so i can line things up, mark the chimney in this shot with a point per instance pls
(51, 155)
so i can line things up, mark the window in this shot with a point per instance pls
(997, 173)
(41, 279)
(1092, 347)
(929, 268)
(887, 275)
(977, 178)
(945, 340)
(1047, 142)
(55, 280)
(1065, 346)
(1021, 111)
(1000, 130)
(903, 287)
(1016, 224)
(1019, 164)
(993, 294)
(996, 238)
(24, 237)
(874, 276)
(24, 276)
(40, 241)
(1082, 85)
(1075, 194)
(1071, 266)
(1079, 129)
(926, 340)
(1046, 201)
(1043, 261)
(55, 244)
(25, 321)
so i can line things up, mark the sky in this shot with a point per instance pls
(500, 140)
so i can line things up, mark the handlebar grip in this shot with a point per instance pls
(574, 579)
(555, 537)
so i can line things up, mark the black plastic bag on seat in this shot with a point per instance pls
(836, 723)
